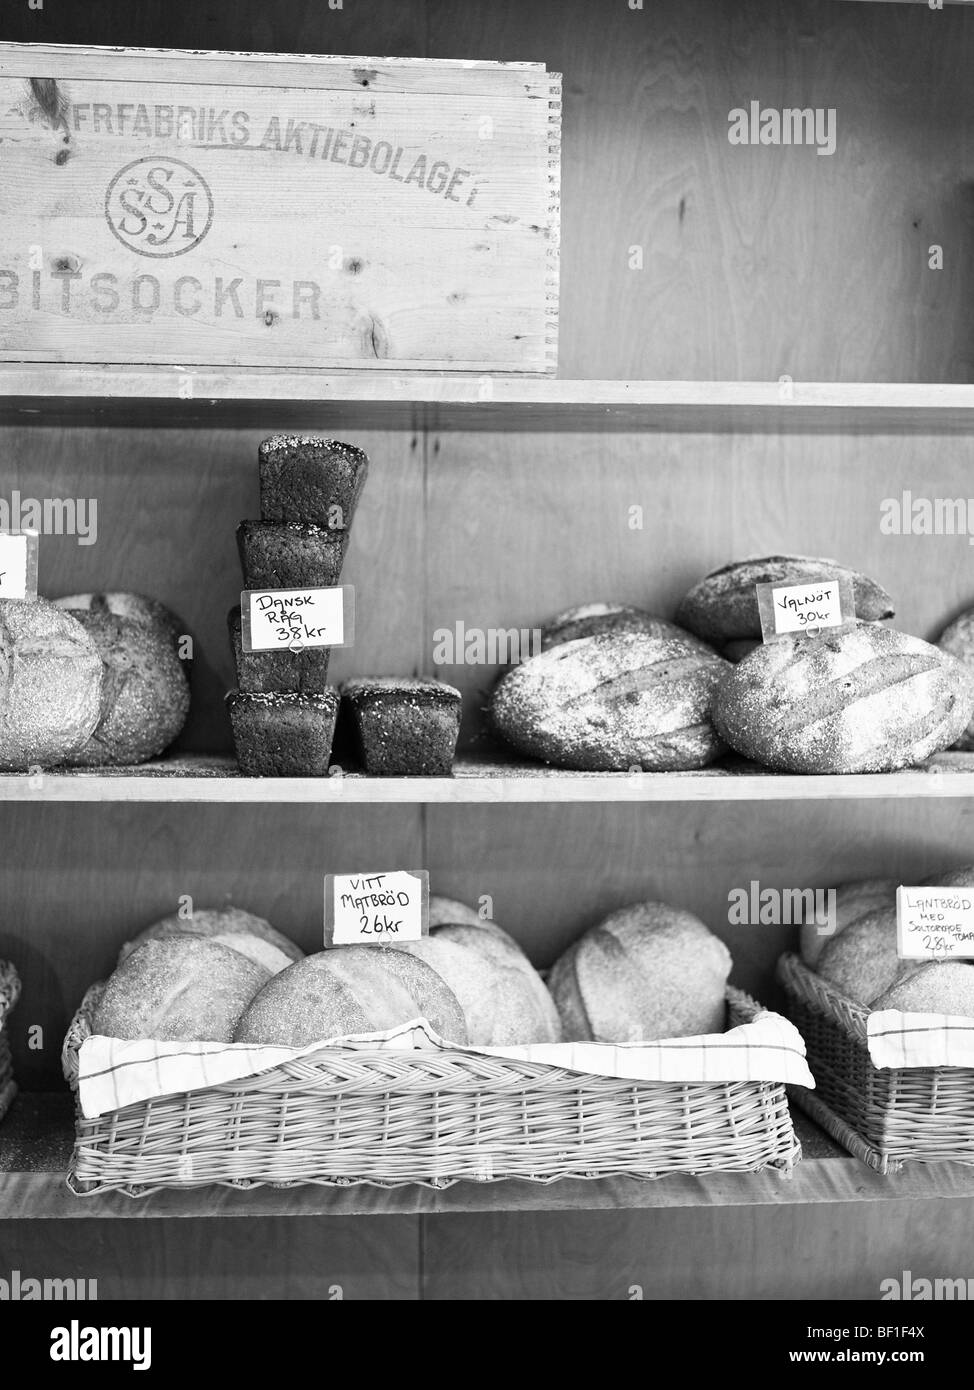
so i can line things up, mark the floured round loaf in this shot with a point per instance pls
(862, 962)
(591, 619)
(510, 1002)
(232, 927)
(444, 910)
(864, 700)
(50, 685)
(611, 703)
(958, 639)
(723, 607)
(179, 989)
(125, 605)
(145, 692)
(937, 987)
(646, 973)
(351, 989)
(852, 901)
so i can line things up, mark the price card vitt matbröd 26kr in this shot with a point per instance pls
(377, 909)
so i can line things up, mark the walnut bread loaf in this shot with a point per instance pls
(723, 607)
(611, 703)
(648, 972)
(863, 700)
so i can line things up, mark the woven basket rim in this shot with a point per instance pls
(847, 1013)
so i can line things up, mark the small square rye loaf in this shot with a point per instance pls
(405, 727)
(282, 555)
(305, 670)
(306, 478)
(283, 735)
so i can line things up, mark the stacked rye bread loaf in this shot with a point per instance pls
(617, 689)
(283, 711)
(859, 956)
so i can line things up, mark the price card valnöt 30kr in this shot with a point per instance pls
(788, 608)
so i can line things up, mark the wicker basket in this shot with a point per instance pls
(9, 994)
(884, 1116)
(342, 1116)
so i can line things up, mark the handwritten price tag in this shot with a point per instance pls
(290, 619)
(786, 608)
(18, 565)
(935, 924)
(376, 909)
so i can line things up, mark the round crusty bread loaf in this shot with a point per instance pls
(179, 989)
(867, 699)
(444, 910)
(648, 972)
(138, 607)
(723, 606)
(592, 619)
(233, 927)
(852, 901)
(937, 987)
(510, 1002)
(50, 685)
(350, 989)
(958, 639)
(145, 692)
(609, 703)
(862, 962)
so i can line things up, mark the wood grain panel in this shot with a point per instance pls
(784, 1253)
(321, 1259)
(75, 886)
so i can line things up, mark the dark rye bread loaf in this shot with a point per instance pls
(723, 607)
(306, 478)
(610, 703)
(50, 685)
(591, 619)
(279, 555)
(350, 989)
(304, 671)
(283, 735)
(403, 726)
(958, 639)
(864, 700)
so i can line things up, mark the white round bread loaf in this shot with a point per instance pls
(862, 962)
(723, 606)
(444, 910)
(50, 685)
(937, 987)
(958, 639)
(647, 973)
(233, 927)
(178, 989)
(350, 989)
(509, 1001)
(145, 691)
(593, 619)
(852, 901)
(866, 699)
(611, 703)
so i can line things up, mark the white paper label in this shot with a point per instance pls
(935, 923)
(18, 577)
(799, 607)
(376, 909)
(291, 619)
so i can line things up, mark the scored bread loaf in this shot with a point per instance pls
(181, 988)
(232, 927)
(723, 606)
(648, 972)
(126, 605)
(50, 685)
(958, 639)
(350, 989)
(863, 700)
(610, 703)
(591, 619)
(852, 901)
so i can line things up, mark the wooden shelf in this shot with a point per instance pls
(36, 1140)
(481, 780)
(272, 397)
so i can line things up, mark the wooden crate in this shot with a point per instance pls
(159, 206)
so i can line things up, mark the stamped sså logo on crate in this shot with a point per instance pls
(159, 206)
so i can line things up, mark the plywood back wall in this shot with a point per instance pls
(757, 261)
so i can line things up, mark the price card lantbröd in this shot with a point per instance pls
(287, 620)
(18, 564)
(376, 909)
(935, 923)
(805, 607)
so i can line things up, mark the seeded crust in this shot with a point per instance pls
(865, 700)
(283, 735)
(591, 619)
(405, 726)
(279, 555)
(723, 607)
(958, 639)
(609, 703)
(50, 685)
(303, 477)
(277, 672)
(646, 973)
